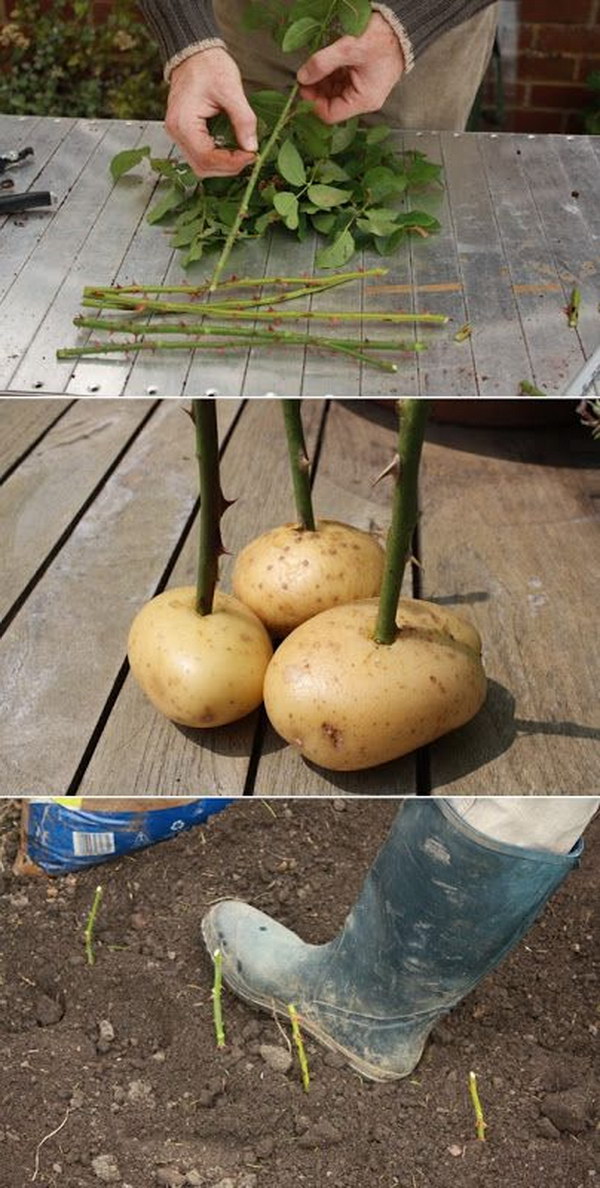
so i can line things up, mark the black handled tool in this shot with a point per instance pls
(11, 203)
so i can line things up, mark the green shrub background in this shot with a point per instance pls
(62, 60)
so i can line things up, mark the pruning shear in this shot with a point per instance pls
(14, 157)
(12, 203)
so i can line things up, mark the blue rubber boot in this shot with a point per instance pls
(441, 905)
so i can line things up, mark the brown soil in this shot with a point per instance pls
(125, 1051)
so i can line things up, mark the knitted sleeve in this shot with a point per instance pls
(181, 26)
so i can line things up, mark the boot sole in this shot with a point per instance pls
(370, 1072)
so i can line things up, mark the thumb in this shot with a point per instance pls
(243, 121)
(325, 61)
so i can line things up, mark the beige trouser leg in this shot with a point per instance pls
(540, 823)
(436, 95)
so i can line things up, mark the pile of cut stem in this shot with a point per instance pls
(190, 320)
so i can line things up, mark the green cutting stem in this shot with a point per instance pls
(315, 42)
(248, 192)
(113, 325)
(573, 309)
(107, 348)
(212, 503)
(299, 1042)
(480, 1122)
(299, 463)
(216, 997)
(88, 933)
(217, 311)
(412, 418)
(527, 389)
(252, 282)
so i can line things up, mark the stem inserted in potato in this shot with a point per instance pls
(299, 463)
(412, 417)
(212, 503)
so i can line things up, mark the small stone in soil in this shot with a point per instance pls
(193, 1179)
(105, 1168)
(141, 1093)
(567, 1111)
(546, 1129)
(265, 1147)
(169, 1177)
(277, 1058)
(48, 1011)
(322, 1134)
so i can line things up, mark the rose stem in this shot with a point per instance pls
(113, 325)
(248, 192)
(299, 463)
(216, 311)
(412, 417)
(480, 1122)
(331, 344)
(216, 997)
(88, 934)
(212, 503)
(252, 282)
(320, 286)
(297, 1037)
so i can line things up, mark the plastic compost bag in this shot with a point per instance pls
(62, 835)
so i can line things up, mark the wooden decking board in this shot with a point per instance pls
(509, 217)
(508, 534)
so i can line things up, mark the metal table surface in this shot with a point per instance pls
(96, 512)
(520, 222)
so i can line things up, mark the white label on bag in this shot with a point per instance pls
(87, 845)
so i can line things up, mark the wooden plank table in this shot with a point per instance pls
(97, 511)
(520, 228)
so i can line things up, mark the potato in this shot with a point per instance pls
(349, 703)
(199, 670)
(289, 574)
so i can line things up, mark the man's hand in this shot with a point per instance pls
(201, 87)
(353, 75)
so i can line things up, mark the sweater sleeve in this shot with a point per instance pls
(423, 21)
(182, 26)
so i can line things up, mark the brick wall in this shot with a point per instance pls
(556, 46)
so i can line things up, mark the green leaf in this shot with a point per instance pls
(299, 34)
(380, 182)
(190, 231)
(313, 136)
(387, 246)
(379, 221)
(286, 204)
(421, 172)
(268, 105)
(377, 134)
(290, 164)
(168, 202)
(264, 221)
(323, 222)
(326, 197)
(127, 160)
(330, 171)
(343, 135)
(354, 16)
(195, 252)
(417, 218)
(338, 252)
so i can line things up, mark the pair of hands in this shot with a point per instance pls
(352, 76)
